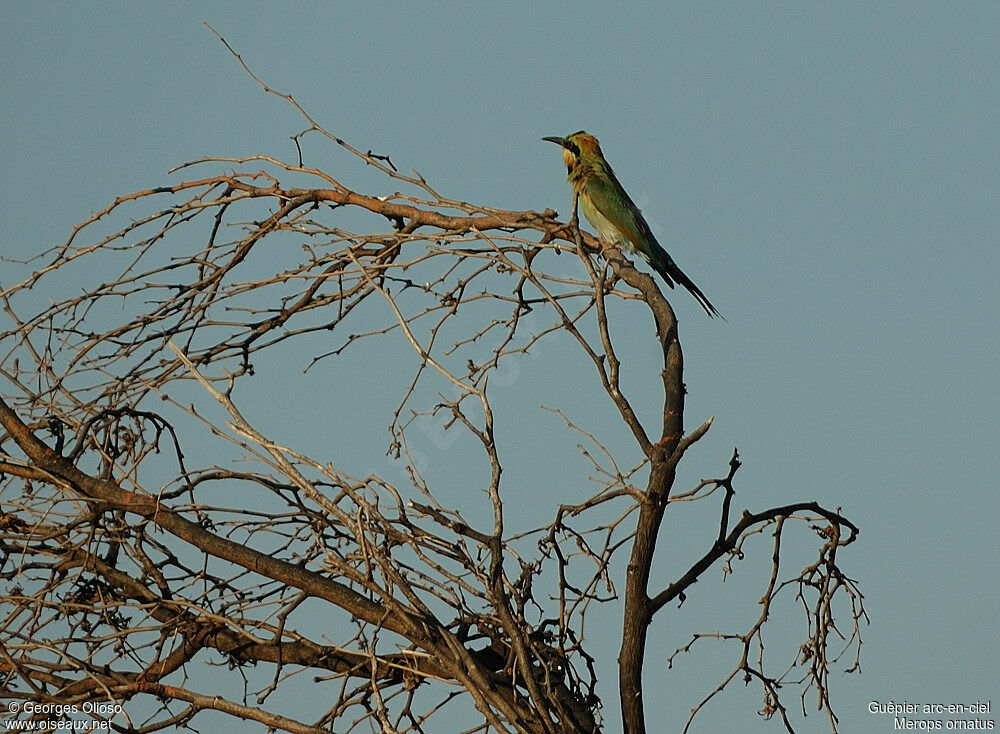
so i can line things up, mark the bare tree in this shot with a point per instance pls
(129, 558)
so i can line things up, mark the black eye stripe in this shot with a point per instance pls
(573, 147)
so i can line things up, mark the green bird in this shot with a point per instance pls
(613, 214)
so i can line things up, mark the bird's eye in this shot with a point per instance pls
(573, 148)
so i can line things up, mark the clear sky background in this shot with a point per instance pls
(829, 174)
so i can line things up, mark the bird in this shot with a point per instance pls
(614, 215)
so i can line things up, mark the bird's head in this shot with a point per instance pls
(578, 147)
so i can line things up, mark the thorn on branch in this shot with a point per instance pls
(824, 531)
(383, 158)
(295, 139)
(727, 484)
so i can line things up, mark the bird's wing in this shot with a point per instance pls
(610, 199)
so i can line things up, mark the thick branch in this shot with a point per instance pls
(336, 593)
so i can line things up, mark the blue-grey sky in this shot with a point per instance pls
(828, 173)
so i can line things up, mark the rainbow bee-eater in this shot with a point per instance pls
(612, 212)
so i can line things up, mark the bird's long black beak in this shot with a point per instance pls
(557, 140)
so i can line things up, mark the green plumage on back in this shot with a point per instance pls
(614, 215)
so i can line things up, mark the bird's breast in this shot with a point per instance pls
(606, 230)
